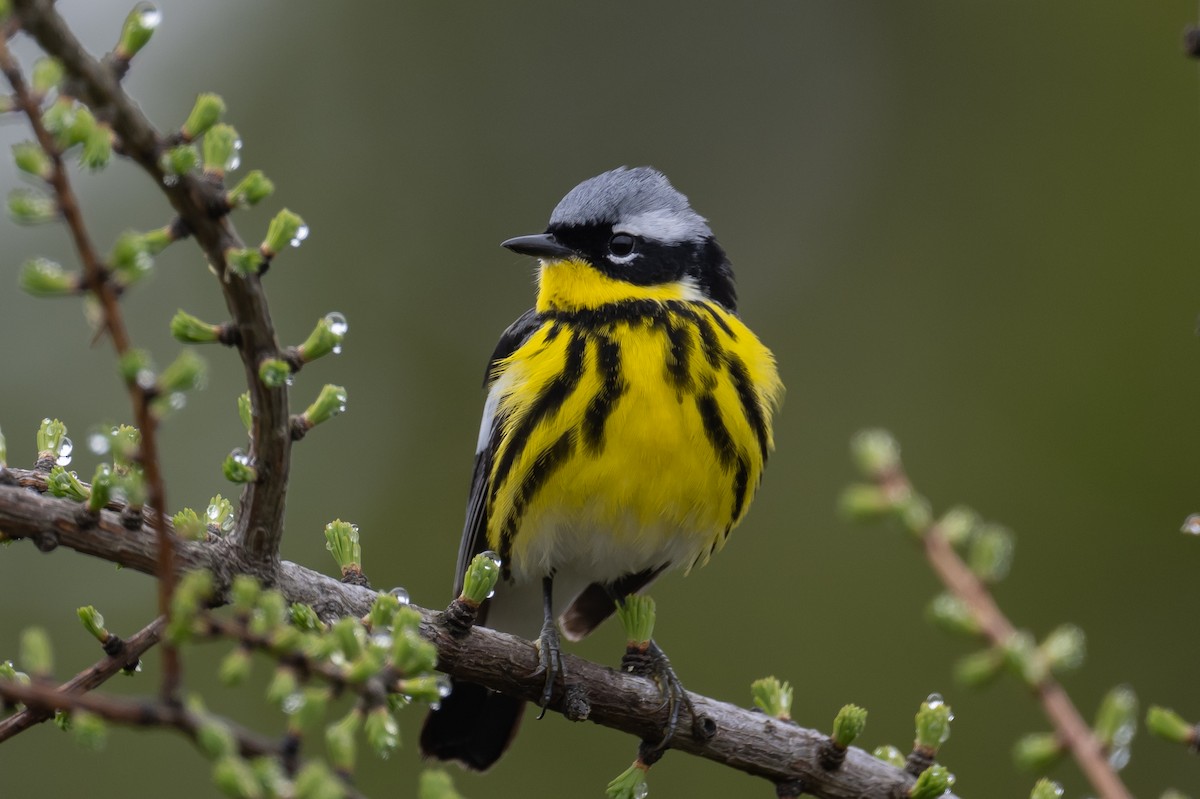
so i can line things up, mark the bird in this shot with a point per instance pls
(627, 423)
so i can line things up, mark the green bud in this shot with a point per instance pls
(102, 488)
(36, 654)
(31, 207)
(47, 74)
(270, 775)
(235, 668)
(219, 514)
(191, 594)
(1037, 751)
(244, 593)
(952, 615)
(42, 277)
(1046, 789)
(285, 228)
(1170, 725)
(246, 410)
(185, 373)
(238, 468)
(979, 668)
(31, 159)
(283, 684)
(480, 579)
(310, 709)
(865, 503)
(66, 485)
(990, 552)
(58, 118)
(179, 160)
(351, 636)
(339, 741)
(341, 539)
(189, 526)
(957, 525)
(772, 697)
(933, 723)
(215, 739)
(383, 610)
(890, 755)
(133, 485)
(429, 688)
(3, 451)
(274, 373)
(933, 782)
(138, 28)
(97, 147)
(630, 783)
(52, 439)
(93, 622)
(382, 731)
(1064, 648)
(207, 111)
(244, 262)
(129, 259)
(82, 127)
(89, 730)
(127, 441)
(916, 514)
(251, 190)
(1116, 720)
(407, 617)
(221, 145)
(875, 452)
(1171, 793)
(316, 782)
(234, 778)
(7, 672)
(135, 367)
(305, 618)
(637, 614)
(436, 784)
(1024, 658)
(157, 240)
(271, 615)
(328, 404)
(849, 723)
(325, 338)
(412, 654)
(62, 720)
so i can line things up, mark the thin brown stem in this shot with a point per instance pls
(90, 678)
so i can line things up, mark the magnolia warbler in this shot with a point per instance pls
(627, 424)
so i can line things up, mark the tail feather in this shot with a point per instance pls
(473, 726)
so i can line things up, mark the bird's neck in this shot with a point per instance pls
(574, 285)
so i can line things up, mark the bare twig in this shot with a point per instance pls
(745, 740)
(90, 678)
(97, 281)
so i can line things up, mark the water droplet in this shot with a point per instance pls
(935, 700)
(138, 668)
(149, 16)
(1192, 524)
(301, 235)
(292, 703)
(382, 640)
(146, 379)
(444, 686)
(177, 400)
(1118, 758)
(435, 705)
(234, 162)
(490, 594)
(641, 790)
(492, 556)
(170, 180)
(337, 323)
(401, 595)
(213, 513)
(64, 452)
(240, 456)
(99, 443)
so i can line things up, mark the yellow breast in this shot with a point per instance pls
(634, 434)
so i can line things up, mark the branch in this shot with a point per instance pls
(203, 209)
(748, 741)
(90, 678)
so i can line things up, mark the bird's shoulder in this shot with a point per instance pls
(511, 340)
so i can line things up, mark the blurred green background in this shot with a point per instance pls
(972, 223)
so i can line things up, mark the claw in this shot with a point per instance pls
(671, 689)
(549, 661)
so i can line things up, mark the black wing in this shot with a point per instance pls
(474, 537)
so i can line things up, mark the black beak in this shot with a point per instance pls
(539, 245)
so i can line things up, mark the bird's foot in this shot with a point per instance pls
(653, 662)
(550, 662)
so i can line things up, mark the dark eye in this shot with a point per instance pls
(622, 245)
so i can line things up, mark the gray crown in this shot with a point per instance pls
(639, 201)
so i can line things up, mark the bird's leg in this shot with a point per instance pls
(649, 660)
(549, 651)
